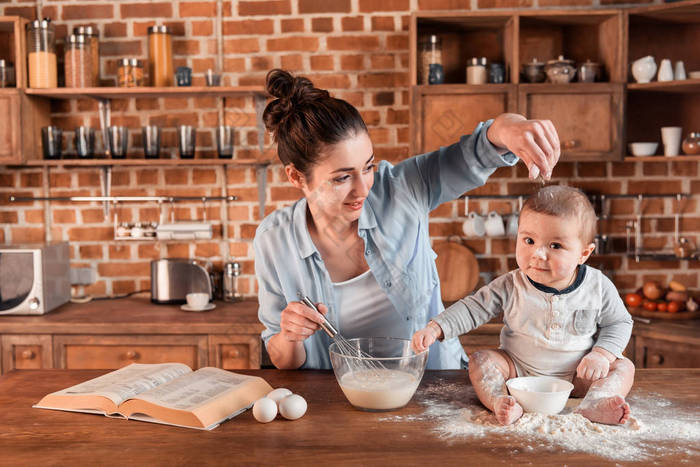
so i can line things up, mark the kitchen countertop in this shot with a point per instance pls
(332, 432)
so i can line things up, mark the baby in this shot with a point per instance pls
(561, 318)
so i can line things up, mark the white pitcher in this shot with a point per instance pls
(644, 69)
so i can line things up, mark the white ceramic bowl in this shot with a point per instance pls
(542, 394)
(694, 75)
(197, 300)
(643, 149)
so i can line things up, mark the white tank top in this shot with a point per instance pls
(365, 309)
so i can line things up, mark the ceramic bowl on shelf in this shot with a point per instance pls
(643, 149)
(540, 394)
(694, 75)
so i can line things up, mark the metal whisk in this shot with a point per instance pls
(360, 359)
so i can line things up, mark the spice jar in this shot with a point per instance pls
(7, 74)
(691, 144)
(476, 71)
(41, 54)
(431, 54)
(78, 62)
(129, 73)
(160, 56)
(497, 73)
(93, 44)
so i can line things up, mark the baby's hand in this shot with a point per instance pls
(593, 366)
(425, 337)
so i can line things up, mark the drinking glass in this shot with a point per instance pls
(224, 141)
(52, 142)
(151, 141)
(186, 135)
(213, 78)
(85, 142)
(118, 141)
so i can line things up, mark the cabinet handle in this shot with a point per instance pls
(657, 359)
(233, 353)
(28, 355)
(132, 355)
(572, 143)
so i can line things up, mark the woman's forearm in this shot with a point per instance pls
(285, 354)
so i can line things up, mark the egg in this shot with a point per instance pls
(265, 410)
(278, 394)
(293, 407)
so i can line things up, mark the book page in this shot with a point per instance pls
(128, 381)
(195, 389)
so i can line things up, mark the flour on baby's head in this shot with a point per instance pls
(565, 202)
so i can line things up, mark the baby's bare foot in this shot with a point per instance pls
(611, 410)
(507, 410)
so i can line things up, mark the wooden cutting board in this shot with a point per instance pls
(458, 270)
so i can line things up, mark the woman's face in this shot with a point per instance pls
(339, 184)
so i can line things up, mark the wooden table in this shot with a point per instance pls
(331, 432)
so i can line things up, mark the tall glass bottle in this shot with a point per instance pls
(41, 54)
(160, 56)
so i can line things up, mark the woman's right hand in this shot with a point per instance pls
(425, 337)
(298, 321)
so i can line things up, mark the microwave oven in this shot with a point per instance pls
(34, 279)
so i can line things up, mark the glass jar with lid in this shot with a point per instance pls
(160, 55)
(41, 54)
(476, 71)
(93, 42)
(130, 73)
(7, 74)
(78, 62)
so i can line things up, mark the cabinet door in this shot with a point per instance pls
(235, 352)
(10, 138)
(112, 352)
(26, 352)
(442, 114)
(588, 117)
(657, 353)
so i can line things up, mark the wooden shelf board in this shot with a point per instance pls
(684, 12)
(146, 92)
(144, 162)
(661, 158)
(684, 86)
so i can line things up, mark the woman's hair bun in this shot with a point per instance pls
(289, 91)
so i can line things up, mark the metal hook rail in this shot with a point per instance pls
(123, 199)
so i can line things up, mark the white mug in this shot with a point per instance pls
(494, 225)
(197, 301)
(474, 225)
(671, 137)
(512, 225)
(665, 71)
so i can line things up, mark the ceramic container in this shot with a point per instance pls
(541, 394)
(665, 71)
(560, 71)
(589, 72)
(691, 144)
(643, 149)
(644, 69)
(533, 72)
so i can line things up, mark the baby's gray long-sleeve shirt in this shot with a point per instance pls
(547, 332)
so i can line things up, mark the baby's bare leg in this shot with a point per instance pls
(605, 399)
(488, 371)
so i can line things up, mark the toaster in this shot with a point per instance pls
(173, 278)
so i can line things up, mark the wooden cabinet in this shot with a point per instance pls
(444, 113)
(235, 351)
(112, 352)
(19, 136)
(109, 334)
(26, 352)
(658, 353)
(589, 117)
(589, 121)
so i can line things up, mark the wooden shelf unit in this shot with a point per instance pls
(146, 92)
(618, 109)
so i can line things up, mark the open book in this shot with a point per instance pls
(169, 393)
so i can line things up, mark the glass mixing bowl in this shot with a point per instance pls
(385, 381)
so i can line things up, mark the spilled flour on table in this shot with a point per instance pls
(656, 428)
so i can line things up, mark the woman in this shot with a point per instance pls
(358, 243)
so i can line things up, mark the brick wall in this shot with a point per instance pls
(356, 48)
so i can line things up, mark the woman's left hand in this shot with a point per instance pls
(535, 142)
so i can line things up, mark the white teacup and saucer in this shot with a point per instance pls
(197, 302)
